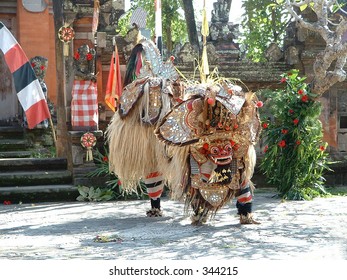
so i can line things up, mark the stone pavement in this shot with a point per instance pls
(290, 230)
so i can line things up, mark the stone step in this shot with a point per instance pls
(28, 178)
(13, 144)
(11, 132)
(26, 164)
(39, 193)
(15, 154)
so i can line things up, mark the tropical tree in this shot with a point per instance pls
(190, 21)
(264, 22)
(331, 25)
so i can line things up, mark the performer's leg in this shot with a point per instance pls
(155, 185)
(244, 205)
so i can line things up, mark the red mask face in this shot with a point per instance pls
(220, 152)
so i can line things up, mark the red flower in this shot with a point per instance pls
(206, 146)
(300, 91)
(172, 58)
(295, 121)
(105, 159)
(260, 104)
(298, 142)
(265, 125)
(89, 56)
(42, 67)
(232, 143)
(283, 80)
(291, 111)
(322, 148)
(236, 126)
(284, 131)
(7, 202)
(33, 65)
(266, 148)
(77, 56)
(282, 144)
(304, 98)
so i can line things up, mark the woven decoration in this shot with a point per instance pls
(66, 34)
(88, 141)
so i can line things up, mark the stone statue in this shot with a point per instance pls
(84, 63)
(84, 104)
(220, 12)
(39, 64)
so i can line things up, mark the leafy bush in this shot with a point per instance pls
(294, 156)
(94, 194)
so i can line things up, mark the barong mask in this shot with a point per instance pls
(218, 121)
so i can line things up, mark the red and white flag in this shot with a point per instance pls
(27, 86)
(114, 83)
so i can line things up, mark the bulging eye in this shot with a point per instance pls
(228, 148)
(214, 151)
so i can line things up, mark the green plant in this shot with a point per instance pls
(295, 157)
(94, 194)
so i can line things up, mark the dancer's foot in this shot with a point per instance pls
(248, 219)
(199, 218)
(154, 212)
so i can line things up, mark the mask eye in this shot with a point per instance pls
(228, 148)
(214, 151)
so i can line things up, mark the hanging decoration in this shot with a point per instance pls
(96, 12)
(66, 34)
(88, 141)
(204, 60)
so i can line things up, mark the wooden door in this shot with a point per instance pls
(10, 109)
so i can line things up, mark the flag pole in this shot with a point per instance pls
(158, 26)
(53, 131)
(95, 23)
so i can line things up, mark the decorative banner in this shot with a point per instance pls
(66, 34)
(88, 141)
(28, 88)
(114, 83)
(205, 32)
(95, 16)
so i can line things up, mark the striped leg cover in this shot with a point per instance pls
(244, 200)
(155, 185)
(205, 169)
